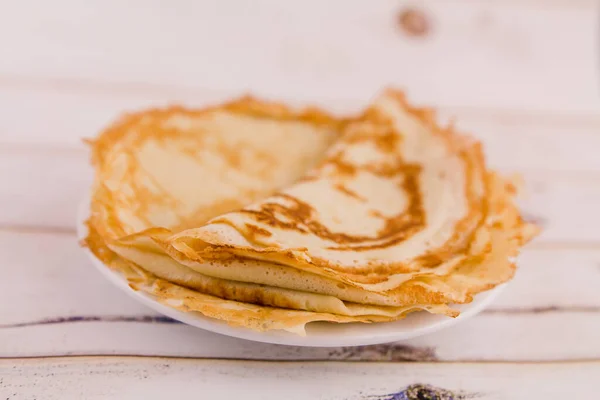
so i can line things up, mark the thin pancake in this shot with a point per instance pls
(178, 167)
(236, 313)
(165, 267)
(396, 195)
(254, 271)
(400, 215)
(145, 164)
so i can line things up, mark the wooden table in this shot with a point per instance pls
(521, 75)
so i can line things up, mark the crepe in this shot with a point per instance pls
(234, 313)
(163, 266)
(178, 167)
(397, 206)
(144, 166)
(239, 269)
(270, 218)
(243, 314)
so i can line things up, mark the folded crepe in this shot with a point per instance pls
(258, 316)
(177, 167)
(399, 207)
(389, 213)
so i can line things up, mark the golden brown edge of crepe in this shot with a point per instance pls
(510, 232)
(246, 105)
(120, 129)
(460, 143)
(254, 316)
(249, 105)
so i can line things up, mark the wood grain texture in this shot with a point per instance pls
(496, 54)
(43, 189)
(540, 316)
(55, 121)
(520, 75)
(156, 378)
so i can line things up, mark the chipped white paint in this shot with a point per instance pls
(521, 75)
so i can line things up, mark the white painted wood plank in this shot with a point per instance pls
(63, 116)
(134, 378)
(487, 337)
(53, 267)
(514, 140)
(566, 279)
(52, 277)
(534, 142)
(66, 75)
(44, 188)
(564, 205)
(66, 307)
(478, 53)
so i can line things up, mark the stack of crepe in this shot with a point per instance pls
(268, 217)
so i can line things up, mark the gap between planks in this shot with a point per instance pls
(103, 377)
(128, 357)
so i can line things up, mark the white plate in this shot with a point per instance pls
(319, 334)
